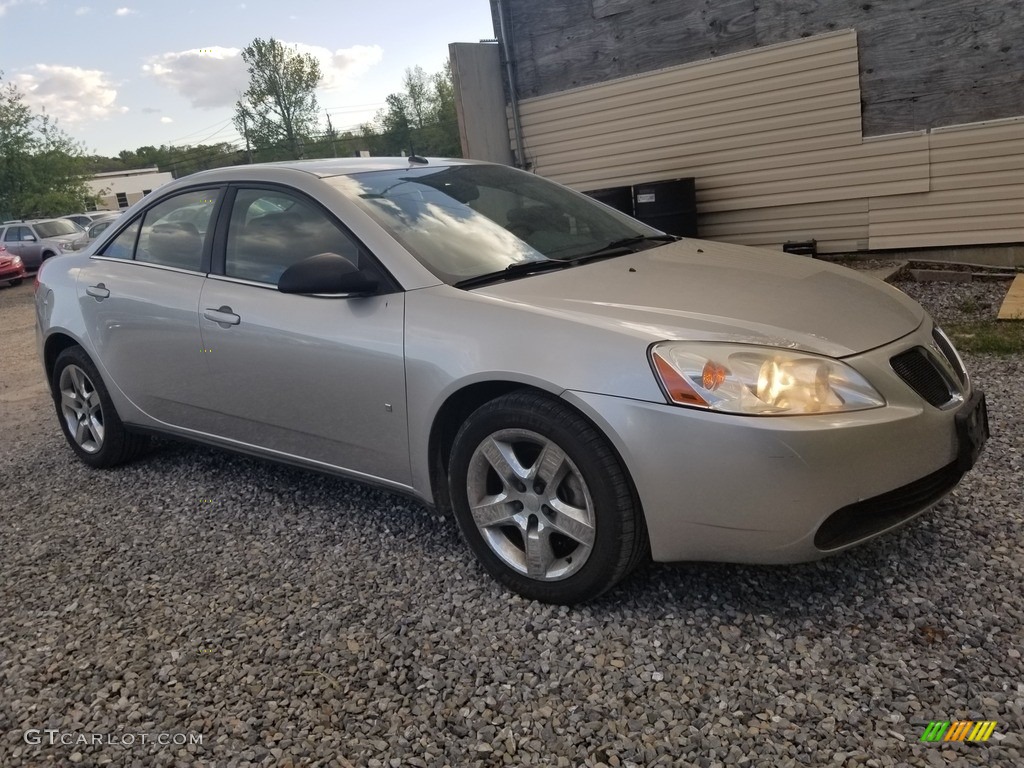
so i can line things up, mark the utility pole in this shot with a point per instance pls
(245, 132)
(330, 132)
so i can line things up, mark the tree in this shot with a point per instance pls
(277, 113)
(42, 169)
(420, 119)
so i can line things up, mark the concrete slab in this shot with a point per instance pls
(1013, 305)
(889, 272)
(940, 276)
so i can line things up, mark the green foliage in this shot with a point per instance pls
(42, 169)
(420, 120)
(995, 337)
(278, 111)
(179, 161)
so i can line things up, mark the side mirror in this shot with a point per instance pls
(326, 273)
(28, 238)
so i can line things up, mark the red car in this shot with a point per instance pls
(11, 268)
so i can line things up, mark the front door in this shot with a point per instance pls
(314, 377)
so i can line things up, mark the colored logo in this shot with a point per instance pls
(958, 730)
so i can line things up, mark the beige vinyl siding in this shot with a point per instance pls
(773, 138)
(976, 196)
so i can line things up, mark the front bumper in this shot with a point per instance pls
(730, 488)
(12, 273)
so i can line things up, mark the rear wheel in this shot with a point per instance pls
(543, 500)
(87, 416)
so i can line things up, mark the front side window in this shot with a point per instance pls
(270, 230)
(174, 231)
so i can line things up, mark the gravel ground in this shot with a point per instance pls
(292, 619)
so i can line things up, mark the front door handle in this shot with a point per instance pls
(98, 291)
(224, 316)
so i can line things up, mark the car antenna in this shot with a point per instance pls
(418, 160)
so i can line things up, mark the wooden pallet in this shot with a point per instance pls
(1013, 304)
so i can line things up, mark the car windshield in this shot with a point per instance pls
(57, 228)
(464, 221)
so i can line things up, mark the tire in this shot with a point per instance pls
(543, 500)
(87, 415)
(16, 282)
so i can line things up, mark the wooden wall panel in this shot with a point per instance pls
(923, 64)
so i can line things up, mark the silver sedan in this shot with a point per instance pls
(582, 391)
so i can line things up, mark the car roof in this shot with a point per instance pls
(323, 168)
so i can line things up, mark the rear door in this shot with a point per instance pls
(320, 378)
(140, 299)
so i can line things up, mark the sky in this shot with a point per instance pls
(130, 73)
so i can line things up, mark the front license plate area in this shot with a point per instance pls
(971, 430)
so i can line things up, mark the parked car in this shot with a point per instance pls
(583, 391)
(36, 241)
(12, 270)
(86, 220)
(100, 227)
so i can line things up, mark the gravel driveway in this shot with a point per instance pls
(285, 618)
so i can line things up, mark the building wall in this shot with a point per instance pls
(132, 186)
(924, 63)
(774, 138)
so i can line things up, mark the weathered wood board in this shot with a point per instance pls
(1013, 305)
(924, 63)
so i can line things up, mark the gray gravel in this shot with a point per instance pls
(295, 619)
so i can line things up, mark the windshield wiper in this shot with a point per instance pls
(519, 269)
(624, 246)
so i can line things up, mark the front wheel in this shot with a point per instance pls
(87, 416)
(543, 500)
(16, 282)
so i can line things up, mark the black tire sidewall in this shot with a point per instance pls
(576, 438)
(114, 434)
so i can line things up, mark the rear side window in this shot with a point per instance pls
(171, 233)
(174, 231)
(123, 246)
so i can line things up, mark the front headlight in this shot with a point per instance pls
(758, 381)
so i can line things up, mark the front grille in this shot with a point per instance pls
(866, 518)
(919, 371)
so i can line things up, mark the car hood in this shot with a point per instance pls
(701, 290)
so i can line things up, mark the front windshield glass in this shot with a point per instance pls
(57, 228)
(464, 221)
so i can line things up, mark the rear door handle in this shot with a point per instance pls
(224, 316)
(98, 291)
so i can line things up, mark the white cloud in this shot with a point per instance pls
(207, 77)
(342, 66)
(216, 77)
(5, 4)
(71, 94)
(166, 120)
(125, 12)
(82, 11)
